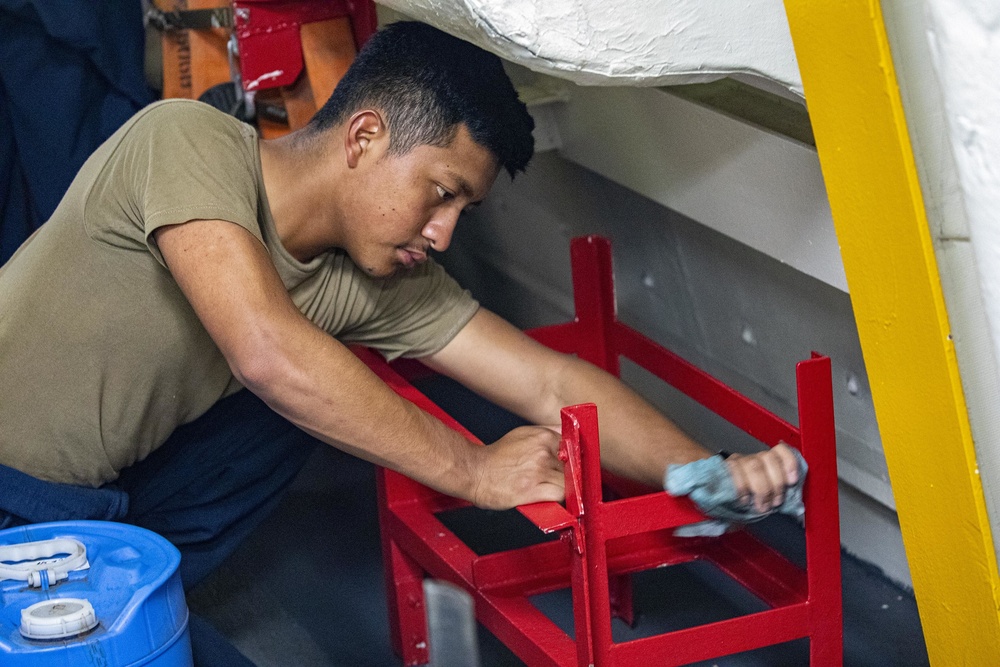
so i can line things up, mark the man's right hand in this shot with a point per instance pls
(521, 467)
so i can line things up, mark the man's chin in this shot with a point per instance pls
(382, 272)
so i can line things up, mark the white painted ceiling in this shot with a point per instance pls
(619, 42)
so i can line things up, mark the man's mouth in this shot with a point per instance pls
(410, 258)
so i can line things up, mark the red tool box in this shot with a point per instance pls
(603, 541)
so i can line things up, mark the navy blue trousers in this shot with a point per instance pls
(205, 489)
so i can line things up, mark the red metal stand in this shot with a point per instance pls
(603, 541)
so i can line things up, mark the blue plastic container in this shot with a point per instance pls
(138, 616)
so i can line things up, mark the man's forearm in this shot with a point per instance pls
(505, 366)
(636, 440)
(319, 385)
(502, 364)
(322, 387)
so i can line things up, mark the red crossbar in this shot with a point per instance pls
(603, 541)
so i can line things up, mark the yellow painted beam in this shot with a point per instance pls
(878, 212)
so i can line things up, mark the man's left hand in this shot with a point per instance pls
(762, 478)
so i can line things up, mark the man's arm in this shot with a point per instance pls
(317, 383)
(499, 362)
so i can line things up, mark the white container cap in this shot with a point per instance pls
(58, 619)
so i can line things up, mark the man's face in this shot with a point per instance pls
(410, 203)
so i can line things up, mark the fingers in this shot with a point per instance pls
(549, 492)
(762, 478)
(552, 466)
(789, 462)
(739, 477)
(758, 479)
(545, 437)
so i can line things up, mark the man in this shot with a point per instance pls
(189, 260)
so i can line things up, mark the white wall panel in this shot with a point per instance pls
(757, 187)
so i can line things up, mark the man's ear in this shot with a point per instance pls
(366, 136)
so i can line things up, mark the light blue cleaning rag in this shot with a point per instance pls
(710, 486)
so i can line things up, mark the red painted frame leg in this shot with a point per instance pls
(404, 593)
(818, 432)
(622, 607)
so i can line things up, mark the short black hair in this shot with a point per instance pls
(426, 83)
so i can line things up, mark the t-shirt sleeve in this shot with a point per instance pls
(416, 314)
(189, 161)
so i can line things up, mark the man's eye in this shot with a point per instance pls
(443, 194)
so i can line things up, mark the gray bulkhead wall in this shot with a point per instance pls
(733, 310)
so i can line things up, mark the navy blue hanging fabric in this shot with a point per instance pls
(71, 73)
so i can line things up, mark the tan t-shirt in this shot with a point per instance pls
(102, 357)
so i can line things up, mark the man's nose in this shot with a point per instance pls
(439, 230)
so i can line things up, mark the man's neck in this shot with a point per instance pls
(302, 195)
